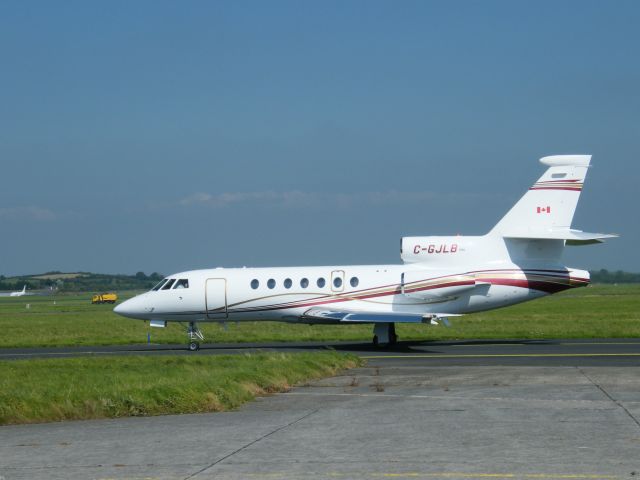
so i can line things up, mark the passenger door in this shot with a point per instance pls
(216, 297)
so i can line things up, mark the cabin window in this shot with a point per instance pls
(182, 283)
(160, 283)
(354, 282)
(168, 285)
(337, 282)
(304, 283)
(287, 283)
(271, 283)
(321, 282)
(255, 283)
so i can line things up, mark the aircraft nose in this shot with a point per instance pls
(122, 308)
(130, 308)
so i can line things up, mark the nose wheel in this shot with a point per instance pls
(194, 334)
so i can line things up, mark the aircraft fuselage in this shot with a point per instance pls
(286, 293)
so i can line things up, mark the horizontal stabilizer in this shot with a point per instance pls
(372, 317)
(572, 237)
(566, 160)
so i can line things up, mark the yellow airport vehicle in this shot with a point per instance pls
(104, 298)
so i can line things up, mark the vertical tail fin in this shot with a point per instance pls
(551, 202)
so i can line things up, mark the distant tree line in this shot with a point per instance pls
(84, 282)
(97, 282)
(605, 276)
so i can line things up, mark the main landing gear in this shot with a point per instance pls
(384, 334)
(194, 334)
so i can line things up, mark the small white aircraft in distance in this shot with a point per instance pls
(441, 276)
(19, 293)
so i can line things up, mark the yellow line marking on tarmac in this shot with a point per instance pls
(542, 476)
(494, 475)
(600, 343)
(534, 343)
(499, 355)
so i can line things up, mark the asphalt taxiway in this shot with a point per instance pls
(605, 352)
(508, 410)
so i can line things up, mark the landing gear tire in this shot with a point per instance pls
(393, 337)
(195, 335)
(384, 334)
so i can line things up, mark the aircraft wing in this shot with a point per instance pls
(350, 316)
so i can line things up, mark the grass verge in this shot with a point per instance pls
(611, 311)
(89, 388)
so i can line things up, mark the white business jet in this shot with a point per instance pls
(19, 293)
(440, 277)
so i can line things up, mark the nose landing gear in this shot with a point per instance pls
(194, 334)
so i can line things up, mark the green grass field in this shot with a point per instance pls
(611, 311)
(84, 388)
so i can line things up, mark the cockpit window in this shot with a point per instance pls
(160, 283)
(167, 285)
(182, 283)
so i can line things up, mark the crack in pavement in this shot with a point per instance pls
(618, 403)
(251, 443)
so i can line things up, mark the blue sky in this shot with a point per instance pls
(165, 136)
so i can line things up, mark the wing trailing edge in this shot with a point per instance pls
(345, 316)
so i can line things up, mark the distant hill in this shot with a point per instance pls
(59, 276)
(81, 282)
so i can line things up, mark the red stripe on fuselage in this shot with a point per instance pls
(557, 188)
(546, 286)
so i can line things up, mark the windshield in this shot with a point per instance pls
(157, 287)
(182, 283)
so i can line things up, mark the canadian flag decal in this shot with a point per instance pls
(544, 209)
